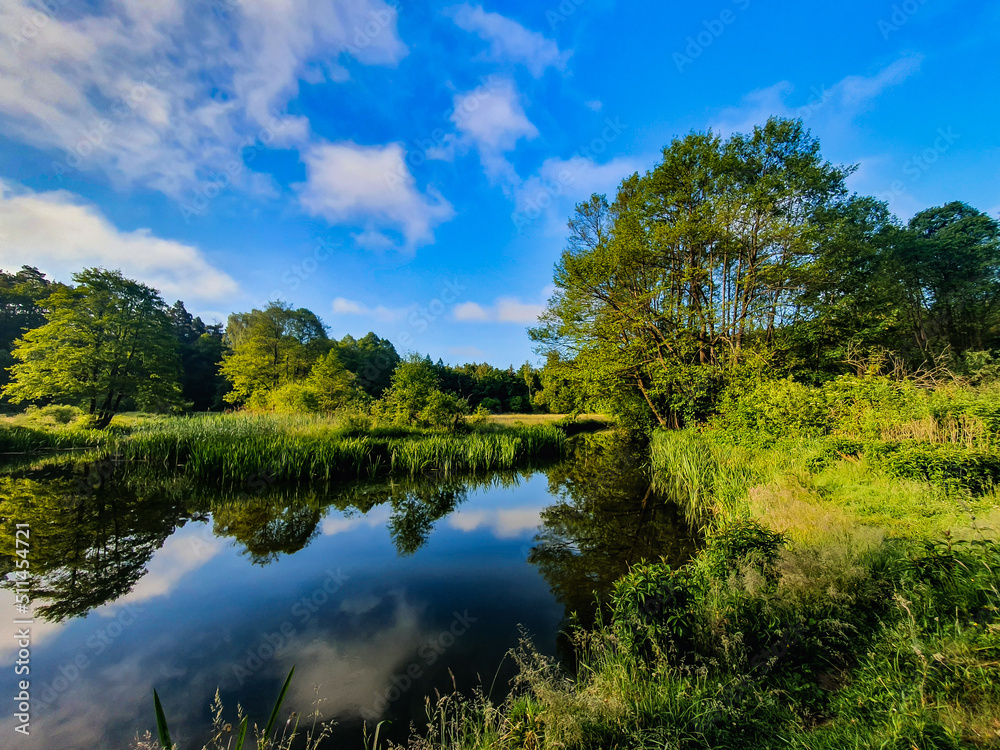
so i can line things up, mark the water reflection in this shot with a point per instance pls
(380, 592)
(607, 517)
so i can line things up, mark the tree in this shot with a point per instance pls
(659, 292)
(949, 264)
(105, 340)
(334, 387)
(201, 350)
(372, 359)
(270, 348)
(413, 383)
(21, 296)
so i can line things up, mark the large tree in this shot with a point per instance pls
(21, 309)
(658, 292)
(106, 340)
(270, 348)
(201, 349)
(949, 265)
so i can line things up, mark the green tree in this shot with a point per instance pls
(201, 349)
(334, 387)
(105, 340)
(949, 263)
(371, 359)
(659, 292)
(270, 348)
(21, 309)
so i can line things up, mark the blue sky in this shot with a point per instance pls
(408, 168)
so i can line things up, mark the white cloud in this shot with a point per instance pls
(595, 104)
(338, 522)
(504, 310)
(184, 552)
(371, 187)
(61, 235)
(343, 306)
(509, 40)
(492, 120)
(838, 104)
(504, 524)
(551, 194)
(165, 94)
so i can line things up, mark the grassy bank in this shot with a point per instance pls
(234, 448)
(848, 595)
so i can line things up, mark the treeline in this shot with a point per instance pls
(741, 259)
(108, 344)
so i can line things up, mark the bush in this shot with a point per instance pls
(740, 544)
(492, 405)
(764, 412)
(867, 407)
(952, 467)
(654, 609)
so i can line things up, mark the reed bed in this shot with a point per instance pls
(234, 449)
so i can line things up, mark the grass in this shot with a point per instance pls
(230, 449)
(848, 597)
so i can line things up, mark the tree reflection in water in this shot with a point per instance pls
(92, 540)
(607, 518)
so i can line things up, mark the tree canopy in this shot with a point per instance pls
(104, 340)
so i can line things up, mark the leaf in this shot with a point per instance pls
(243, 734)
(161, 724)
(277, 706)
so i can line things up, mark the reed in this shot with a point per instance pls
(233, 449)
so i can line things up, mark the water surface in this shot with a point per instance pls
(378, 593)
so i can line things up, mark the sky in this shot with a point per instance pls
(408, 168)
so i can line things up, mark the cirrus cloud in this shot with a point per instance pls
(509, 40)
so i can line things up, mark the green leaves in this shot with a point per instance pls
(106, 340)
(660, 292)
(161, 724)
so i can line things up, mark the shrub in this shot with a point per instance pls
(952, 467)
(738, 544)
(654, 608)
(762, 412)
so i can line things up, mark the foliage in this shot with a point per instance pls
(21, 296)
(105, 340)
(270, 348)
(660, 291)
(201, 350)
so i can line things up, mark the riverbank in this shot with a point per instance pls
(848, 595)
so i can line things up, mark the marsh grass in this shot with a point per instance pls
(230, 449)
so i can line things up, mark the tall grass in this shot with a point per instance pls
(231, 449)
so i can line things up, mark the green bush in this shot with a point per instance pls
(653, 608)
(952, 467)
(866, 407)
(762, 412)
(739, 544)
